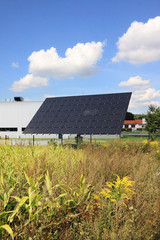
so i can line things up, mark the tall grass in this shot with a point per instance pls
(108, 191)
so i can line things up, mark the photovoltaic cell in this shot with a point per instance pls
(90, 114)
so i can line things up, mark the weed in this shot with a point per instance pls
(55, 192)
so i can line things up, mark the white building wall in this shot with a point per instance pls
(16, 115)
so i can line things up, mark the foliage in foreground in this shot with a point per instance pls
(106, 191)
(153, 120)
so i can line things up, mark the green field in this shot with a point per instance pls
(106, 190)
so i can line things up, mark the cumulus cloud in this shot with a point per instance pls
(142, 93)
(79, 61)
(135, 82)
(141, 43)
(29, 81)
(145, 95)
(15, 64)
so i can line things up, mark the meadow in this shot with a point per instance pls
(97, 191)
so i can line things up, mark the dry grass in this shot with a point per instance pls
(49, 192)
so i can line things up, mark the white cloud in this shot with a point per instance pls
(135, 82)
(79, 61)
(49, 96)
(15, 64)
(141, 43)
(142, 93)
(28, 99)
(145, 95)
(29, 81)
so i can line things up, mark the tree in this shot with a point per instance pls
(153, 119)
(129, 116)
(139, 116)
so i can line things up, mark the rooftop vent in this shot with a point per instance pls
(18, 99)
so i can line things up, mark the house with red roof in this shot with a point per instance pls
(134, 124)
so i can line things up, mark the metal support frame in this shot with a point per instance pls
(60, 136)
(33, 140)
(90, 138)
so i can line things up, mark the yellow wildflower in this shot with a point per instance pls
(145, 142)
(119, 190)
(154, 144)
(96, 197)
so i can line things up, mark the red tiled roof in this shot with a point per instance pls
(133, 122)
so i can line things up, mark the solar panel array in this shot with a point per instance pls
(88, 114)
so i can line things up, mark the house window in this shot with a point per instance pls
(133, 125)
(9, 129)
(23, 129)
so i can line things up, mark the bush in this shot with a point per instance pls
(140, 129)
(127, 129)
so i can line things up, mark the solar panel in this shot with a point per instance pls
(87, 114)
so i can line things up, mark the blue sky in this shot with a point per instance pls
(71, 47)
